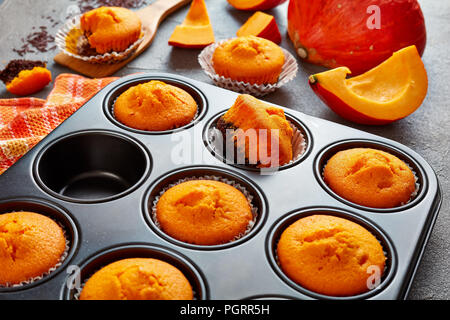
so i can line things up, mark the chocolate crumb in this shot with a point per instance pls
(15, 66)
(38, 40)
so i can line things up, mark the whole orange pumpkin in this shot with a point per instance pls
(358, 34)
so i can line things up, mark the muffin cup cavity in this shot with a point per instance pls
(216, 144)
(288, 72)
(250, 191)
(128, 251)
(283, 223)
(61, 218)
(198, 96)
(110, 57)
(419, 175)
(93, 166)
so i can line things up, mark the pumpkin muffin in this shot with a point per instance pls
(204, 212)
(249, 59)
(249, 113)
(137, 279)
(155, 106)
(329, 255)
(30, 245)
(370, 178)
(24, 77)
(111, 28)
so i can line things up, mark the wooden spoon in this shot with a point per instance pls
(151, 17)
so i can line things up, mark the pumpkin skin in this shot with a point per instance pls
(253, 5)
(335, 33)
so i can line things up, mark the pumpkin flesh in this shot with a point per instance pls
(388, 92)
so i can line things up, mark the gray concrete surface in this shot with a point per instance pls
(426, 131)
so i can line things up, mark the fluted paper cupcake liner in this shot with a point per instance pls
(288, 72)
(232, 183)
(110, 57)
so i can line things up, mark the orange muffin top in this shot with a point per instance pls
(330, 255)
(249, 113)
(370, 177)
(155, 106)
(30, 245)
(137, 279)
(250, 59)
(111, 28)
(204, 212)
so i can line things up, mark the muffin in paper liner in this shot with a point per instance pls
(288, 72)
(113, 114)
(413, 195)
(78, 290)
(70, 37)
(299, 145)
(232, 183)
(51, 270)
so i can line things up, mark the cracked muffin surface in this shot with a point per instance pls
(250, 59)
(370, 177)
(30, 245)
(204, 212)
(155, 106)
(111, 28)
(330, 255)
(137, 279)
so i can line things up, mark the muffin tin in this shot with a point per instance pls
(97, 178)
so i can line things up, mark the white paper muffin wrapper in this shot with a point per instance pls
(54, 268)
(288, 72)
(413, 195)
(110, 57)
(299, 143)
(213, 178)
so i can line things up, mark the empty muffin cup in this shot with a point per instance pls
(92, 166)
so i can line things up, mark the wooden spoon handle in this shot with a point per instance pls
(160, 9)
(151, 17)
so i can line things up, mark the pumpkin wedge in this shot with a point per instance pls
(196, 30)
(389, 92)
(261, 25)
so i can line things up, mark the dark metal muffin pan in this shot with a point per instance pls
(97, 178)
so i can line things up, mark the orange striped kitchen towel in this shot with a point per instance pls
(25, 121)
